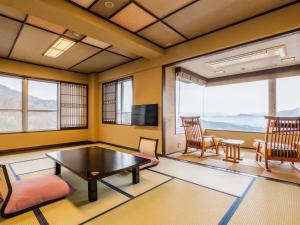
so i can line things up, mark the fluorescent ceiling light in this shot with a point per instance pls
(248, 57)
(59, 47)
(219, 71)
(290, 59)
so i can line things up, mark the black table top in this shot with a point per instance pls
(95, 162)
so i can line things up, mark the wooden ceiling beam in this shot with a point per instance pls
(74, 18)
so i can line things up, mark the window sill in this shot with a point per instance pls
(40, 131)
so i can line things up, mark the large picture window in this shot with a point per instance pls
(117, 100)
(189, 101)
(10, 104)
(42, 105)
(287, 96)
(28, 105)
(237, 107)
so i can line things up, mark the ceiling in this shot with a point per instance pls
(290, 43)
(170, 22)
(164, 23)
(25, 38)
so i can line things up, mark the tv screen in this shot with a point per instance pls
(145, 115)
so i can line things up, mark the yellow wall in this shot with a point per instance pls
(147, 89)
(23, 140)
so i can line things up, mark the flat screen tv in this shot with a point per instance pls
(145, 115)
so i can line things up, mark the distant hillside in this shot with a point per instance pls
(291, 112)
(12, 99)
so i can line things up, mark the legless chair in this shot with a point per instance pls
(282, 140)
(195, 137)
(148, 150)
(25, 195)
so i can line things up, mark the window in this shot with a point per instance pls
(38, 105)
(117, 98)
(42, 105)
(239, 107)
(10, 104)
(73, 105)
(287, 96)
(189, 101)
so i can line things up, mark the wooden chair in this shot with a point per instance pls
(282, 140)
(195, 137)
(148, 149)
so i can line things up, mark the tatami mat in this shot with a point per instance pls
(230, 183)
(76, 208)
(148, 180)
(173, 203)
(32, 165)
(24, 219)
(269, 203)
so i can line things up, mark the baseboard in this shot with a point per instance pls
(42, 147)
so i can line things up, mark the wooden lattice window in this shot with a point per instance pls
(117, 101)
(73, 105)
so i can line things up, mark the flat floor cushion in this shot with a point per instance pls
(35, 191)
(154, 161)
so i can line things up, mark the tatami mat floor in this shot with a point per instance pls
(173, 193)
(282, 171)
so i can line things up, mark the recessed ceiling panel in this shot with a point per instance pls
(9, 30)
(83, 3)
(133, 18)
(10, 12)
(73, 35)
(162, 8)
(107, 8)
(206, 15)
(33, 43)
(161, 34)
(45, 24)
(122, 52)
(102, 61)
(95, 42)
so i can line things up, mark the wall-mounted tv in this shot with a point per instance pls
(144, 115)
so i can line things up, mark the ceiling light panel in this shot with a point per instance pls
(289, 59)
(83, 3)
(95, 42)
(133, 18)
(279, 51)
(59, 47)
(101, 7)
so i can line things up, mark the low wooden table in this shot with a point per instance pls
(94, 163)
(232, 150)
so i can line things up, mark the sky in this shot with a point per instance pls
(42, 90)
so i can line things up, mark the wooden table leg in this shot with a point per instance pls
(239, 152)
(57, 168)
(92, 190)
(234, 153)
(136, 175)
(226, 152)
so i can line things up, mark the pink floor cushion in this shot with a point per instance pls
(31, 192)
(154, 161)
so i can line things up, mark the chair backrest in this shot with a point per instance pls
(148, 146)
(192, 128)
(283, 132)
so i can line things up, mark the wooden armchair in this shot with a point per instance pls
(282, 140)
(195, 137)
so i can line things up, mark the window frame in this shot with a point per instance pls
(272, 109)
(24, 109)
(116, 103)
